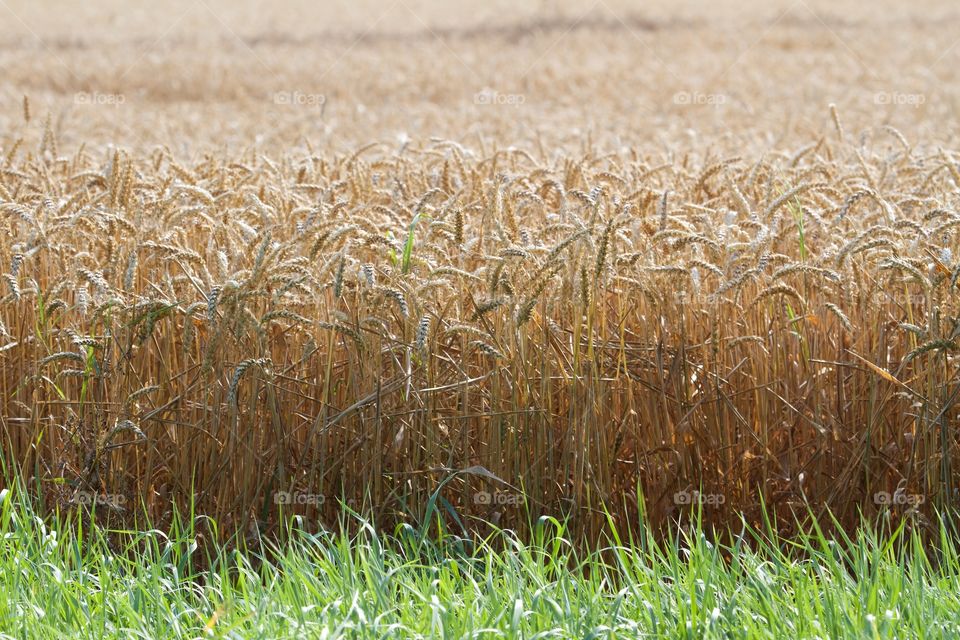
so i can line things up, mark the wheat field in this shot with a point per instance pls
(565, 260)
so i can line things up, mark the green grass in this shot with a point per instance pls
(369, 586)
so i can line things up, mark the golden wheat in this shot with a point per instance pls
(365, 325)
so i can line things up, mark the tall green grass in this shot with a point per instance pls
(62, 578)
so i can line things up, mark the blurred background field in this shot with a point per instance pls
(209, 74)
